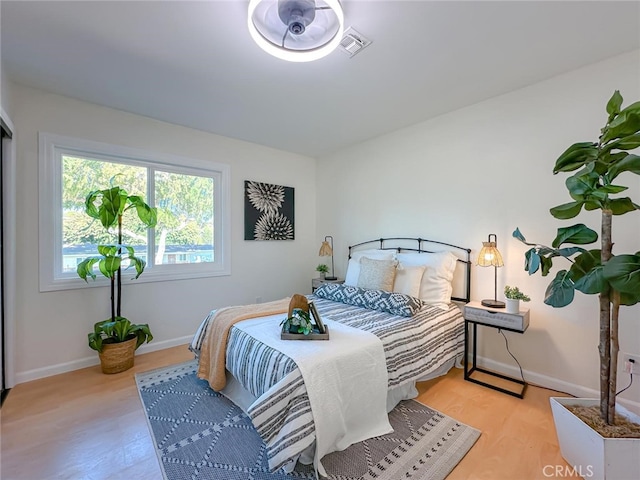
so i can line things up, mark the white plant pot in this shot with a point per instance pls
(512, 306)
(590, 454)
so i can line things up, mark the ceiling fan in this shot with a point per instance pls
(296, 30)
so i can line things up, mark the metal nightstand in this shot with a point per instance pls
(476, 314)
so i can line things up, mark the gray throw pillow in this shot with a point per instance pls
(377, 274)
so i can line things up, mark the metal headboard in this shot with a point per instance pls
(407, 244)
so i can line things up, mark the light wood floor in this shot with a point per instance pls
(86, 425)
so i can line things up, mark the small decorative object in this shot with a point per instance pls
(320, 326)
(489, 256)
(514, 295)
(268, 211)
(298, 302)
(600, 169)
(116, 338)
(322, 269)
(299, 325)
(326, 250)
(298, 322)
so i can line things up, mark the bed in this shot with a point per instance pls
(393, 322)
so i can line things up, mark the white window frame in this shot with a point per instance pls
(51, 149)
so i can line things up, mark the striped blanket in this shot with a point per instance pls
(414, 347)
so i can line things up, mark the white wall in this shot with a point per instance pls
(5, 91)
(52, 327)
(487, 169)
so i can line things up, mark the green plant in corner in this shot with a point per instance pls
(514, 293)
(108, 206)
(614, 278)
(322, 268)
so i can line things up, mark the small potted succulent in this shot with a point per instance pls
(322, 269)
(513, 296)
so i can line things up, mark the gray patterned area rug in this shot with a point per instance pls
(200, 434)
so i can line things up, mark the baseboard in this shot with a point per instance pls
(534, 378)
(48, 371)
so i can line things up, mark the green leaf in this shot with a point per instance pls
(560, 291)
(625, 124)
(630, 163)
(614, 104)
(111, 207)
(582, 183)
(623, 273)
(576, 156)
(142, 333)
(146, 214)
(633, 108)
(547, 263)
(566, 210)
(532, 261)
(613, 188)
(544, 250)
(592, 283)
(107, 250)
(516, 234)
(95, 341)
(625, 143)
(620, 206)
(89, 203)
(629, 298)
(109, 265)
(569, 251)
(85, 268)
(139, 265)
(578, 234)
(586, 273)
(601, 165)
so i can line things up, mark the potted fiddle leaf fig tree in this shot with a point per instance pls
(601, 168)
(116, 338)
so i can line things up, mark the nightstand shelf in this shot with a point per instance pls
(476, 314)
(316, 282)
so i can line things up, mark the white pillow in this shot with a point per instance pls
(435, 287)
(353, 267)
(377, 274)
(408, 279)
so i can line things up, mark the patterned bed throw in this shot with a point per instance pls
(381, 300)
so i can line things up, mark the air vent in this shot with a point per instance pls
(352, 42)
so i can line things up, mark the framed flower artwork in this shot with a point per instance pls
(268, 211)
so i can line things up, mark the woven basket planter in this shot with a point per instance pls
(117, 357)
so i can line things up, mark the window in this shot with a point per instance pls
(191, 238)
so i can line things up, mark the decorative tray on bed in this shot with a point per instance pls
(314, 335)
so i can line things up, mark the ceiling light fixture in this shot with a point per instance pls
(296, 30)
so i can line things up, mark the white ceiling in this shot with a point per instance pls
(194, 64)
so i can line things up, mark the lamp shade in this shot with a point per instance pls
(325, 249)
(490, 256)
